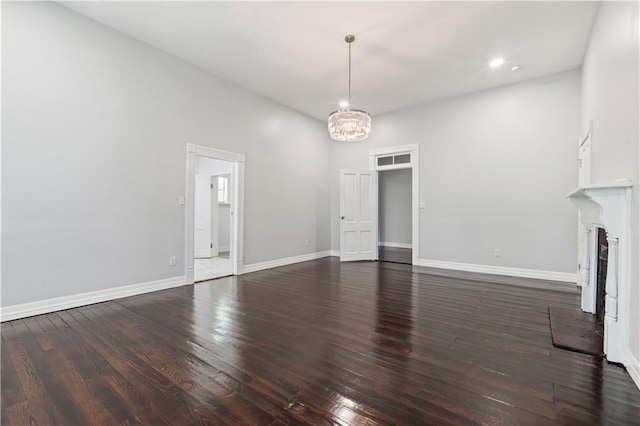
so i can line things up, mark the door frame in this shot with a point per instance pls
(414, 165)
(236, 249)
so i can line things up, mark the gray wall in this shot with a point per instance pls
(610, 98)
(495, 168)
(224, 224)
(102, 121)
(394, 206)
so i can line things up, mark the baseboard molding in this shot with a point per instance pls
(501, 270)
(633, 367)
(255, 267)
(396, 245)
(24, 310)
(334, 253)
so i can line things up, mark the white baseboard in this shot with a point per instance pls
(23, 310)
(501, 270)
(633, 367)
(335, 253)
(396, 245)
(254, 267)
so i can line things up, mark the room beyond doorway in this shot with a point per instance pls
(212, 218)
(395, 216)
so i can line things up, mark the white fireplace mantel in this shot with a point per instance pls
(607, 206)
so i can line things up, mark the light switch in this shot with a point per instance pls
(181, 200)
(423, 205)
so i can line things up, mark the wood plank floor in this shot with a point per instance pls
(313, 343)
(394, 254)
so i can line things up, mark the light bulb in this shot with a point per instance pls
(497, 62)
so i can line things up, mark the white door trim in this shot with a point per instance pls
(237, 201)
(414, 165)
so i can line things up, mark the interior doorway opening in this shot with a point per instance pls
(395, 216)
(214, 185)
(226, 185)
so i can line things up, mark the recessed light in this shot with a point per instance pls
(497, 62)
(344, 104)
(515, 68)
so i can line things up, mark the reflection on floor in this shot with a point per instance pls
(394, 254)
(315, 343)
(213, 267)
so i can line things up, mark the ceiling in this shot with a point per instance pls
(404, 53)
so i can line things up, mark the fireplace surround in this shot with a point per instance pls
(607, 206)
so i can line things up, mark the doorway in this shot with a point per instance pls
(214, 213)
(405, 158)
(212, 218)
(394, 216)
(359, 203)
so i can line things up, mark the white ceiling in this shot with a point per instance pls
(404, 53)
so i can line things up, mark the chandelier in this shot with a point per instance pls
(347, 124)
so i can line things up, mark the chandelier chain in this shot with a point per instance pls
(349, 99)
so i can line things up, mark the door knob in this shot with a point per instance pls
(342, 217)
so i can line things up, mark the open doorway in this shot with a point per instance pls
(212, 218)
(395, 216)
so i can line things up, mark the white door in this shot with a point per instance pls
(202, 218)
(358, 215)
(215, 221)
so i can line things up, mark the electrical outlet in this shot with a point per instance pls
(172, 261)
(306, 243)
(496, 252)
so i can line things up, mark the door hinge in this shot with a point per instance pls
(211, 245)
(211, 186)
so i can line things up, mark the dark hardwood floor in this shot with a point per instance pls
(313, 343)
(394, 254)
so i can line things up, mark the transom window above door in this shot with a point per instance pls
(395, 161)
